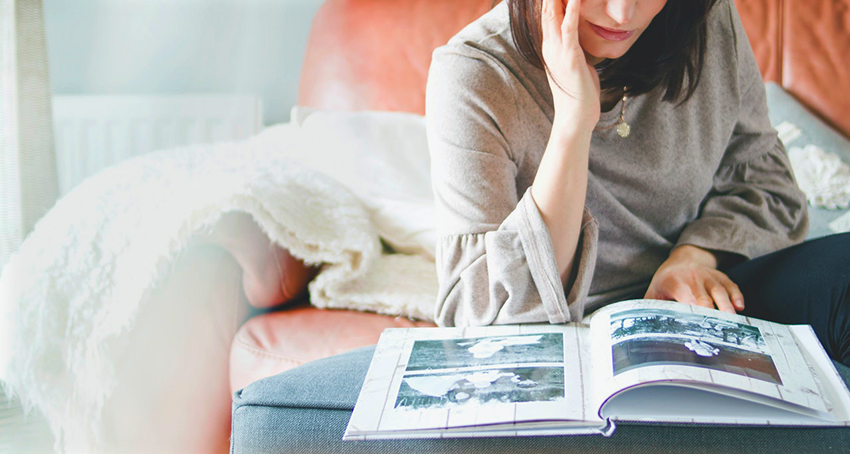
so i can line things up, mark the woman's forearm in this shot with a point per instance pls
(560, 185)
(559, 190)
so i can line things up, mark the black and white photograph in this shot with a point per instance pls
(659, 337)
(478, 387)
(486, 351)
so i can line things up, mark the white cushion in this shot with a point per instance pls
(383, 158)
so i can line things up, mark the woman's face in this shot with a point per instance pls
(608, 28)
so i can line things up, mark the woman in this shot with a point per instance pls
(639, 163)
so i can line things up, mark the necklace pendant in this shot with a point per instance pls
(623, 129)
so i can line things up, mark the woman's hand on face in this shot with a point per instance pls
(690, 276)
(573, 80)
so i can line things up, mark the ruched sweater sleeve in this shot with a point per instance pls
(495, 260)
(755, 205)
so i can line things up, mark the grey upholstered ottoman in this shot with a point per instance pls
(305, 410)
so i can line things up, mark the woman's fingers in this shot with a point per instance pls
(551, 17)
(720, 296)
(709, 294)
(687, 279)
(560, 28)
(569, 26)
(734, 293)
(681, 291)
(701, 296)
(574, 83)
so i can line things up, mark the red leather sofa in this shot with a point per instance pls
(803, 46)
(374, 55)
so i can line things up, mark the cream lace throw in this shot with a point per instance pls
(822, 176)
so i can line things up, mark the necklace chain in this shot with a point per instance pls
(623, 128)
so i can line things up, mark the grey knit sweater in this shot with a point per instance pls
(710, 172)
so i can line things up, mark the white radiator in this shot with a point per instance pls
(94, 131)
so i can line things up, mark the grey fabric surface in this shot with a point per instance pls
(783, 107)
(305, 410)
(709, 172)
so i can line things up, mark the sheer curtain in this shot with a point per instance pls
(28, 178)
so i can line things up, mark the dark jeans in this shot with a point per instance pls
(804, 284)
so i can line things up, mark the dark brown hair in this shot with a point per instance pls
(670, 51)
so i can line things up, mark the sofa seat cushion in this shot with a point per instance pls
(274, 342)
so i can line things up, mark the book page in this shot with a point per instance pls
(644, 341)
(475, 379)
(830, 381)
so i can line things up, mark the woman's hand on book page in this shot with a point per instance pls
(690, 276)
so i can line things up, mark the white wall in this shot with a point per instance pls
(180, 46)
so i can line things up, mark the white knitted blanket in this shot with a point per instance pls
(69, 297)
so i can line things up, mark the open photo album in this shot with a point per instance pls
(639, 360)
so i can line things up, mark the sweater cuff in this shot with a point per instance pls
(540, 254)
(717, 234)
(586, 263)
